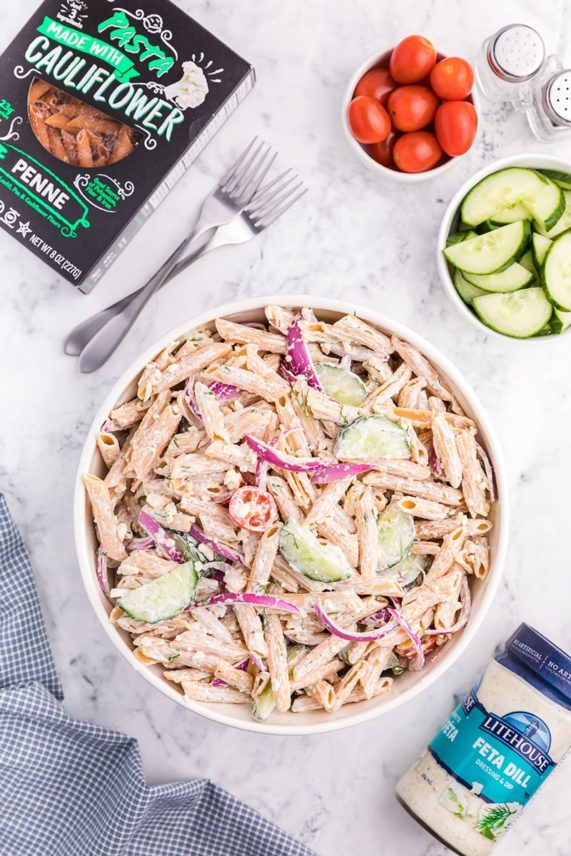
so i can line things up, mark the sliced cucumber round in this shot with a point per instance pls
(563, 179)
(371, 438)
(458, 237)
(396, 534)
(526, 261)
(560, 321)
(162, 598)
(302, 550)
(465, 289)
(564, 221)
(539, 246)
(513, 186)
(521, 314)
(344, 386)
(557, 272)
(510, 279)
(407, 571)
(511, 214)
(492, 251)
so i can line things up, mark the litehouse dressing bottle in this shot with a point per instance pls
(496, 749)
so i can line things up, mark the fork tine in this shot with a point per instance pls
(249, 181)
(237, 163)
(246, 170)
(248, 192)
(265, 219)
(264, 192)
(276, 200)
(244, 165)
(259, 201)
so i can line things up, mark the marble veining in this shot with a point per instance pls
(352, 238)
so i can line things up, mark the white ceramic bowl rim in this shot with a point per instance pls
(448, 657)
(533, 160)
(367, 160)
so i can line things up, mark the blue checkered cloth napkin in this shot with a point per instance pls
(70, 788)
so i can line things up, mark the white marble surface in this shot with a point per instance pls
(352, 238)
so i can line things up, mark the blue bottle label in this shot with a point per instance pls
(503, 759)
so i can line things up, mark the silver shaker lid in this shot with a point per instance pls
(516, 53)
(557, 97)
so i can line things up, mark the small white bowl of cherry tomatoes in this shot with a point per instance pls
(410, 112)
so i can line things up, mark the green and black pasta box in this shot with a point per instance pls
(103, 107)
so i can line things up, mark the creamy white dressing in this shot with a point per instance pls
(457, 814)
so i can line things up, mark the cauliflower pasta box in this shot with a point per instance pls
(103, 106)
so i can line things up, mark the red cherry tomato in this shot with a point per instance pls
(452, 78)
(412, 107)
(455, 124)
(368, 120)
(383, 152)
(412, 59)
(252, 508)
(417, 151)
(376, 83)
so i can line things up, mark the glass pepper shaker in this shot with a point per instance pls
(509, 61)
(548, 108)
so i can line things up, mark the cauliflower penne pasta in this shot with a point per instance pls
(291, 515)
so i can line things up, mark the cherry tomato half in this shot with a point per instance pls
(368, 120)
(252, 508)
(383, 152)
(412, 59)
(452, 78)
(412, 107)
(455, 124)
(376, 83)
(417, 151)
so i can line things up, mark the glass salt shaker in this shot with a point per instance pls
(548, 106)
(509, 61)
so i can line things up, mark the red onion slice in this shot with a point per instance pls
(140, 544)
(434, 464)
(281, 460)
(335, 472)
(298, 359)
(188, 395)
(352, 636)
(266, 601)
(161, 538)
(417, 663)
(221, 549)
(488, 469)
(101, 570)
(223, 391)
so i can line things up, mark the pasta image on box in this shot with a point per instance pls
(103, 107)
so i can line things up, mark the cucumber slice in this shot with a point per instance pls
(560, 321)
(520, 315)
(308, 556)
(513, 186)
(563, 179)
(164, 597)
(564, 221)
(371, 438)
(556, 273)
(511, 279)
(396, 534)
(458, 237)
(407, 571)
(465, 289)
(511, 214)
(344, 386)
(490, 252)
(526, 261)
(539, 246)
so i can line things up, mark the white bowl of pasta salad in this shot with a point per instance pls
(291, 515)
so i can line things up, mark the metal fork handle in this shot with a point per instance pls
(84, 332)
(98, 349)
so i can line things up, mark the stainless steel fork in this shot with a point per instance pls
(265, 208)
(235, 189)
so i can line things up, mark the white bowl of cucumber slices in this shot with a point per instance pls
(504, 247)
